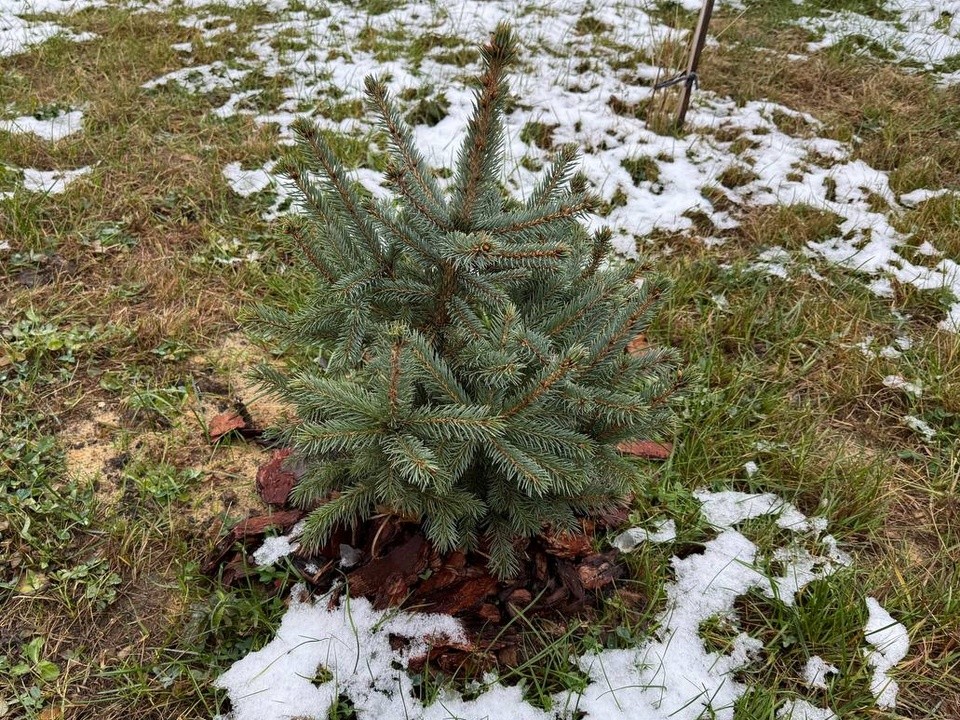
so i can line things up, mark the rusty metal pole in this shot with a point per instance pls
(699, 40)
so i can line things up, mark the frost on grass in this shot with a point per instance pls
(889, 642)
(321, 653)
(52, 129)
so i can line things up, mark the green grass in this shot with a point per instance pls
(120, 291)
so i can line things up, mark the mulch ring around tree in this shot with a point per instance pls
(563, 578)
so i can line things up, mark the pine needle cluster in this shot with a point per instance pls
(475, 376)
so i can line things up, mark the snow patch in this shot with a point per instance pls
(663, 531)
(898, 382)
(803, 710)
(248, 182)
(50, 182)
(322, 652)
(52, 129)
(919, 35)
(815, 672)
(920, 426)
(890, 644)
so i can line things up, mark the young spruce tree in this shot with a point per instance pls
(476, 375)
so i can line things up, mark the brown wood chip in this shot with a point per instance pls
(647, 449)
(274, 482)
(405, 561)
(569, 545)
(469, 593)
(599, 570)
(225, 423)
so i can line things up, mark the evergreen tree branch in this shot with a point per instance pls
(336, 176)
(479, 157)
(402, 139)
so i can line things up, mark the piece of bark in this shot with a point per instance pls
(561, 593)
(647, 449)
(489, 613)
(249, 528)
(541, 567)
(443, 577)
(470, 592)
(405, 561)
(509, 657)
(570, 545)
(274, 481)
(225, 423)
(570, 579)
(599, 570)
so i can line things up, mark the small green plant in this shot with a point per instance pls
(475, 375)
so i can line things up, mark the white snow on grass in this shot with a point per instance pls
(50, 182)
(323, 652)
(920, 426)
(579, 86)
(18, 34)
(898, 382)
(248, 182)
(663, 531)
(922, 34)
(279, 546)
(815, 672)
(729, 508)
(889, 642)
(51, 129)
(803, 710)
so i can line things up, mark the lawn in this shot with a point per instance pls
(808, 217)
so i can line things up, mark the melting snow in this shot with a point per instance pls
(890, 644)
(803, 710)
(52, 129)
(580, 88)
(18, 34)
(897, 382)
(816, 671)
(920, 426)
(920, 34)
(663, 531)
(47, 181)
(322, 652)
(247, 182)
(274, 548)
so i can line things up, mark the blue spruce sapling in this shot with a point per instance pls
(476, 377)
